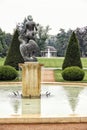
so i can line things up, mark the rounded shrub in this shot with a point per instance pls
(73, 73)
(7, 73)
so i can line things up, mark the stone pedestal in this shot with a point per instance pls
(31, 79)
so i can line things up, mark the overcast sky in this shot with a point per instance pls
(55, 13)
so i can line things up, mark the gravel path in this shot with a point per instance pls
(48, 76)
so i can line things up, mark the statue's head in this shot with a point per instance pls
(29, 18)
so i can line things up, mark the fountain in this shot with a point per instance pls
(42, 104)
(48, 53)
(31, 69)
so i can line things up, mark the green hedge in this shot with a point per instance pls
(7, 73)
(73, 73)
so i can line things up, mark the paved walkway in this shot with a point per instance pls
(47, 75)
(62, 126)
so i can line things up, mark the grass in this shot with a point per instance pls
(58, 77)
(56, 63)
(84, 62)
(51, 62)
(2, 61)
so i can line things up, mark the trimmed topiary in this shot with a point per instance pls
(7, 73)
(14, 56)
(72, 57)
(73, 73)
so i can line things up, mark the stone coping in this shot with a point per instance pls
(30, 120)
(50, 83)
(25, 119)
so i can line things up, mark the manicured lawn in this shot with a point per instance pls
(84, 62)
(57, 62)
(51, 62)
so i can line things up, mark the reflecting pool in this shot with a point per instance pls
(55, 101)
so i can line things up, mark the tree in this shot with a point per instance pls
(8, 39)
(61, 42)
(14, 57)
(42, 36)
(5, 40)
(51, 40)
(3, 46)
(72, 57)
(82, 37)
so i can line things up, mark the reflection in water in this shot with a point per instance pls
(56, 104)
(62, 101)
(16, 104)
(31, 106)
(82, 107)
(73, 93)
(7, 102)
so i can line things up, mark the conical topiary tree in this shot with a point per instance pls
(72, 57)
(14, 57)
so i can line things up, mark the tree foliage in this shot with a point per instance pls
(72, 57)
(5, 40)
(42, 36)
(14, 57)
(61, 42)
(82, 37)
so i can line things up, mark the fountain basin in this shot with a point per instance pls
(60, 106)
